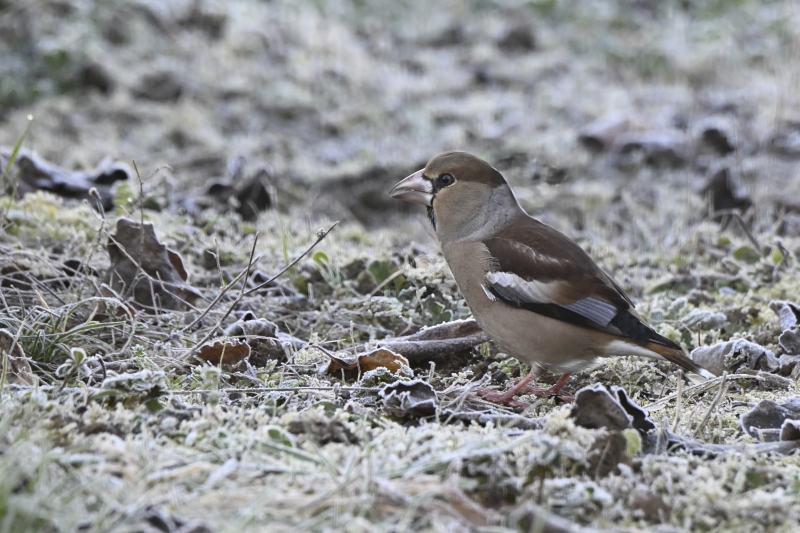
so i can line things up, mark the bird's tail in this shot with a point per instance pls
(679, 358)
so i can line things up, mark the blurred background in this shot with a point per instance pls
(627, 119)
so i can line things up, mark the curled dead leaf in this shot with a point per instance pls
(595, 408)
(144, 267)
(409, 398)
(788, 313)
(262, 336)
(765, 421)
(734, 354)
(228, 352)
(381, 357)
(36, 174)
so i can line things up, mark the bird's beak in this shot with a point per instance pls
(415, 189)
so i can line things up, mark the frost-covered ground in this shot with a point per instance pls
(331, 103)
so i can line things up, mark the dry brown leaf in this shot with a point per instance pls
(381, 357)
(145, 267)
(227, 352)
(261, 335)
(19, 370)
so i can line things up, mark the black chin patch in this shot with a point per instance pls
(432, 217)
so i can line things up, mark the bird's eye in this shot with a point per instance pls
(446, 180)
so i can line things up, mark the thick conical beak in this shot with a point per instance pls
(415, 189)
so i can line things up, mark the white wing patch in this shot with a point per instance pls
(515, 288)
(595, 310)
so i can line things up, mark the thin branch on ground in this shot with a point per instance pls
(321, 234)
(210, 334)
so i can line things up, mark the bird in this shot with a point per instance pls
(536, 293)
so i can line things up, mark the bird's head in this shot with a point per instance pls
(463, 194)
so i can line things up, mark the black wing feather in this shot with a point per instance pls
(624, 324)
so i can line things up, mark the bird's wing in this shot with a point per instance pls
(538, 268)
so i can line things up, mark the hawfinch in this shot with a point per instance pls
(533, 290)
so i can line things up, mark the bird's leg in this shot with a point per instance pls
(555, 390)
(507, 397)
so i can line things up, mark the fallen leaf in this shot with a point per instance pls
(146, 268)
(724, 192)
(790, 430)
(595, 408)
(656, 148)
(263, 338)
(788, 314)
(380, 357)
(251, 197)
(640, 418)
(36, 174)
(229, 352)
(409, 398)
(734, 354)
(258, 327)
(765, 421)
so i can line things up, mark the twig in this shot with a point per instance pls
(703, 387)
(282, 389)
(85, 261)
(321, 234)
(188, 353)
(734, 214)
(216, 300)
(723, 388)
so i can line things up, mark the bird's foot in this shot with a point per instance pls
(521, 387)
(554, 390)
(505, 398)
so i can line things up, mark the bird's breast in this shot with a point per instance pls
(520, 333)
(469, 262)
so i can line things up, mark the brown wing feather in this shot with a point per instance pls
(539, 253)
(535, 251)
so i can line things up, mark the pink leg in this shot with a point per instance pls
(522, 386)
(555, 390)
